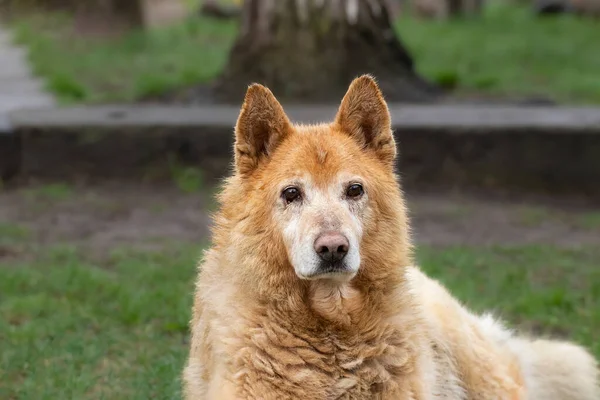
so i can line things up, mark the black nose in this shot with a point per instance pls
(332, 247)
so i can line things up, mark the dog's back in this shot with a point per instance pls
(484, 353)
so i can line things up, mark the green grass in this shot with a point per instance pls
(53, 191)
(187, 179)
(590, 220)
(73, 329)
(13, 231)
(510, 51)
(507, 51)
(136, 65)
(70, 329)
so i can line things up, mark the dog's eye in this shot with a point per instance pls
(354, 191)
(291, 194)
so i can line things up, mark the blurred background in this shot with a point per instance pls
(116, 124)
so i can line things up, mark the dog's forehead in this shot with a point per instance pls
(324, 144)
(319, 152)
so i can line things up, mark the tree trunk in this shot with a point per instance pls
(309, 50)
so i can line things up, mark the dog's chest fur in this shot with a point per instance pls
(282, 359)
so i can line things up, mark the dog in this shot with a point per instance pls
(308, 290)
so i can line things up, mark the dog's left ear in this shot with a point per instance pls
(261, 127)
(364, 115)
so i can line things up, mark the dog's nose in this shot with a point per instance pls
(332, 246)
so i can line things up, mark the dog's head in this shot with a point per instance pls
(327, 193)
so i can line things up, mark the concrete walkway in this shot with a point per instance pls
(19, 89)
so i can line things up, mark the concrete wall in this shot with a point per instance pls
(550, 151)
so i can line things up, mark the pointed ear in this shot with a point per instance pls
(364, 116)
(261, 126)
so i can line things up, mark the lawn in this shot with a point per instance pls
(137, 65)
(71, 328)
(508, 51)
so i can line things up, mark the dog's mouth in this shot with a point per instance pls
(332, 270)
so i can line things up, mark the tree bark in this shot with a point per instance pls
(309, 50)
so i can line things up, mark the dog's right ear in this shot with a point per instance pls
(260, 128)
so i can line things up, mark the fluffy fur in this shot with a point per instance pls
(270, 323)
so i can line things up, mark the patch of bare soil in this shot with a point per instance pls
(446, 219)
(104, 217)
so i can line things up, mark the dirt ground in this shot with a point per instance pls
(104, 217)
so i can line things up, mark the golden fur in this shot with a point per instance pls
(263, 327)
